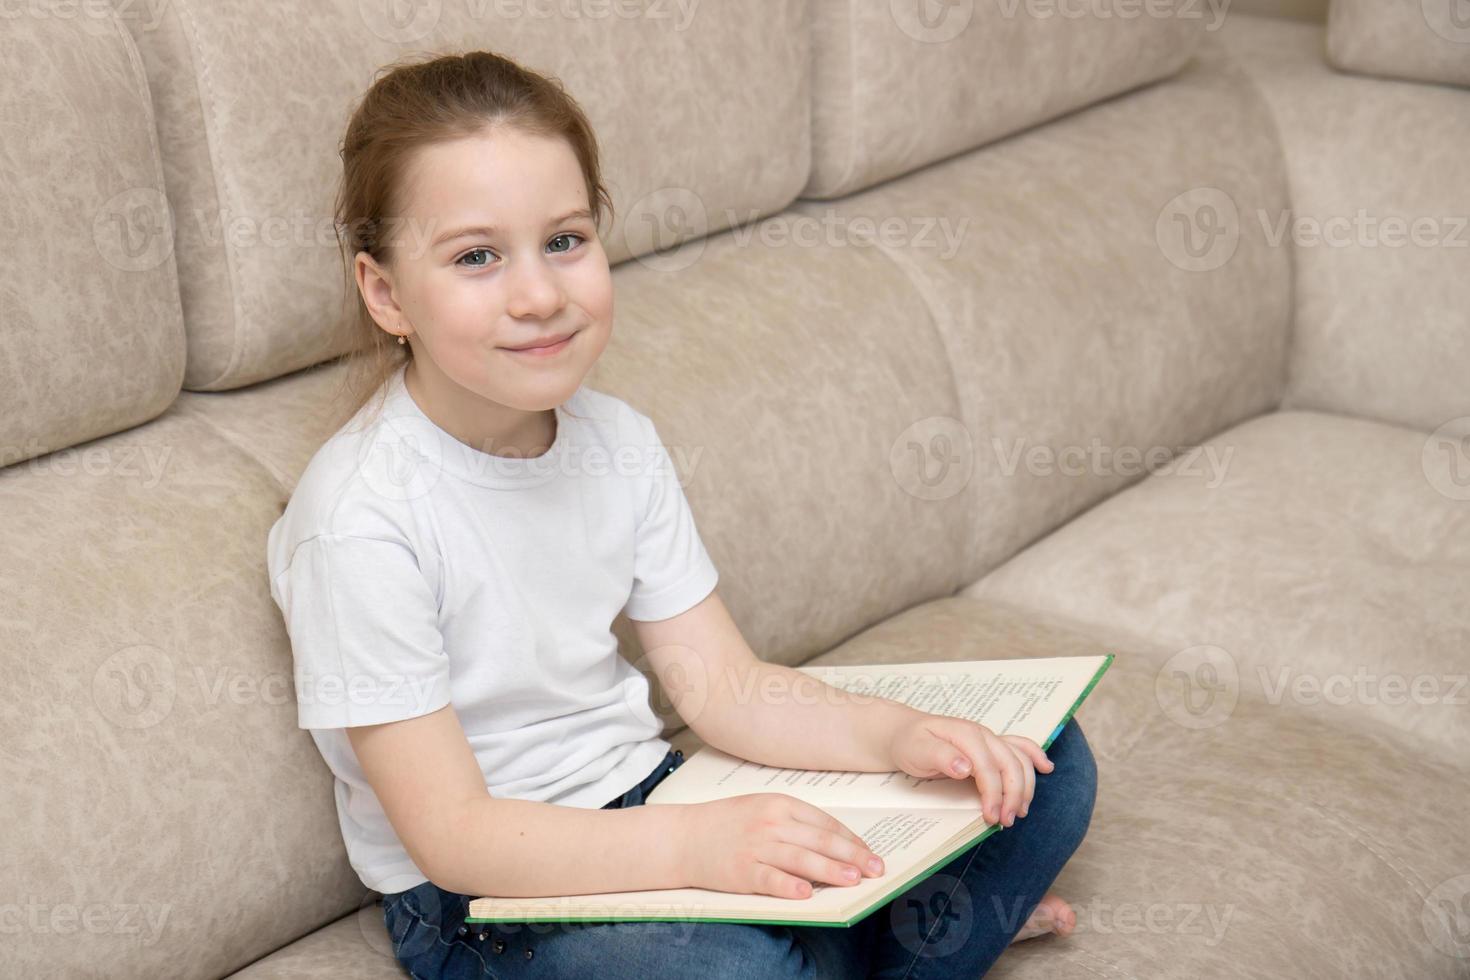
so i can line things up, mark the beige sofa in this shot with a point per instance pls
(950, 282)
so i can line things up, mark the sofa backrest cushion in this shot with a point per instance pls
(701, 112)
(1102, 291)
(903, 83)
(1377, 230)
(1422, 40)
(92, 330)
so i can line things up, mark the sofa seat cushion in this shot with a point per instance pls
(356, 945)
(1276, 843)
(1309, 561)
(1197, 854)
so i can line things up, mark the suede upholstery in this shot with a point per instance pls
(974, 348)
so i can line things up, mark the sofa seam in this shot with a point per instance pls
(1372, 846)
(972, 517)
(155, 144)
(187, 408)
(1263, 101)
(207, 106)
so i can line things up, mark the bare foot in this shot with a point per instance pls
(1051, 914)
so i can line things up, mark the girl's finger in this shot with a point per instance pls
(1013, 783)
(1033, 751)
(1030, 773)
(971, 741)
(817, 817)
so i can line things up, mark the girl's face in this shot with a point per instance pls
(496, 250)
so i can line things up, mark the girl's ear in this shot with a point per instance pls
(375, 283)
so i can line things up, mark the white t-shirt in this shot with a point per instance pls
(413, 571)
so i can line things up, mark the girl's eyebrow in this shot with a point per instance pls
(488, 230)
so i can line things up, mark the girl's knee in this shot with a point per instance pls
(1072, 786)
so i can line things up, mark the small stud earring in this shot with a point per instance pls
(401, 339)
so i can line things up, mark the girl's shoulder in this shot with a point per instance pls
(361, 483)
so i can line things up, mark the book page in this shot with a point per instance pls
(903, 839)
(1028, 697)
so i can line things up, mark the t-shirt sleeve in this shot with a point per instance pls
(672, 571)
(363, 623)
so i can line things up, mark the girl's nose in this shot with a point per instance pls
(534, 291)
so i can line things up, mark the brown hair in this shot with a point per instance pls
(418, 104)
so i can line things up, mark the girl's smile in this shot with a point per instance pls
(543, 351)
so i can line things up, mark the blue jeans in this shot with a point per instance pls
(954, 923)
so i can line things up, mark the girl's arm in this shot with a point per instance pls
(466, 841)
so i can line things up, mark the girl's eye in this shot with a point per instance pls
(485, 251)
(473, 251)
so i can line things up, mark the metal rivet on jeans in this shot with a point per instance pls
(530, 952)
(498, 945)
(481, 936)
(463, 930)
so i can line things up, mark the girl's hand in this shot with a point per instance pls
(1004, 766)
(770, 844)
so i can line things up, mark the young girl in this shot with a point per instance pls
(450, 565)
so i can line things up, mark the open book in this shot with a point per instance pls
(915, 825)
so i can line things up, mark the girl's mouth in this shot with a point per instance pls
(547, 351)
